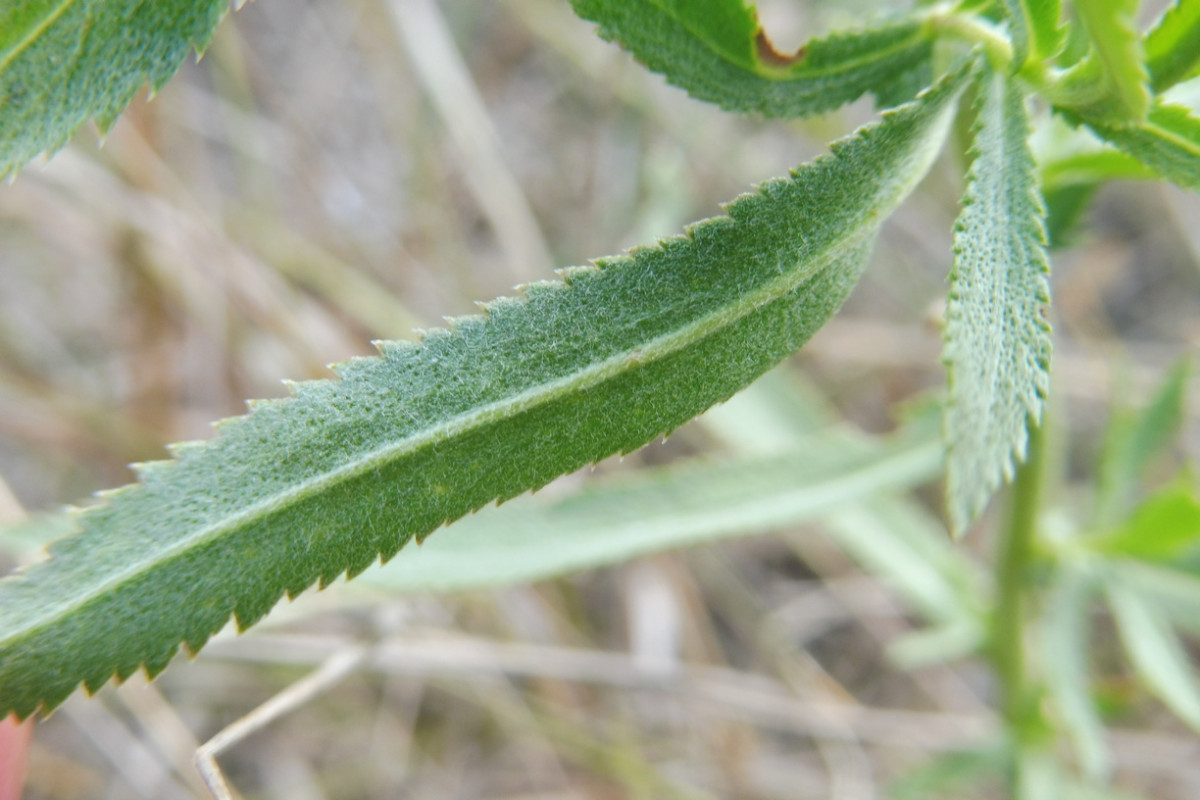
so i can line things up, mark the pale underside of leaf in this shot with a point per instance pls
(997, 341)
(68, 61)
(347, 471)
(890, 61)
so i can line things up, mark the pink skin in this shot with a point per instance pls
(14, 749)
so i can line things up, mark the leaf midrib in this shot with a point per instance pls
(38, 30)
(541, 394)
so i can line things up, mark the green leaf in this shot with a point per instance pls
(1131, 444)
(890, 536)
(533, 538)
(717, 52)
(1074, 164)
(1171, 51)
(997, 341)
(1167, 141)
(1019, 30)
(345, 472)
(1164, 528)
(1156, 652)
(1111, 82)
(1066, 645)
(63, 62)
(1035, 29)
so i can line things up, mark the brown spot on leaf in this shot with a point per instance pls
(768, 55)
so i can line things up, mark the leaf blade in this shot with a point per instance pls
(663, 509)
(1171, 56)
(344, 472)
(734, 65)
(63, 62)
(997, 342)
(1156, 653)
(1115, 61)
(1167, 141)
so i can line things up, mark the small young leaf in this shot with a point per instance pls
(1171, 51)
(1156, 652)
(1167, 141)
(345, 472)
(63, 63)
(997, 341)
(717, 52)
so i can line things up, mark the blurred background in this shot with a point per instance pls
(333, 173)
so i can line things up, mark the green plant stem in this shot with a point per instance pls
(1015, 554)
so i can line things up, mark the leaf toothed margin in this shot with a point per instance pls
(345, 472)
(65, 62)
(997, 340)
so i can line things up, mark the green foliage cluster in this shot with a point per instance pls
(607, 358)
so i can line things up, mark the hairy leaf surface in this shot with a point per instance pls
(1172, 54)
(717, 51)
(344, 472)
(63, 62)
(1167, 141)
(997, 350)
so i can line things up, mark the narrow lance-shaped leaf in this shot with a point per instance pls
(1133, 441)
(1167, 141)
(1156, 652)
(344, 472)
(1067, 639)
(63, 63)
(1111, 82)
(532, 538)
(717, 51)
(1172, 54)
(997, 349)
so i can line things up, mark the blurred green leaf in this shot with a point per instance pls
(892, 537)
(1164, 528)
(1176, 593)
(532, 538)
(1067, 643)
(1171, 51)
(950, 774)
(1134, 440)
(1157, 655)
